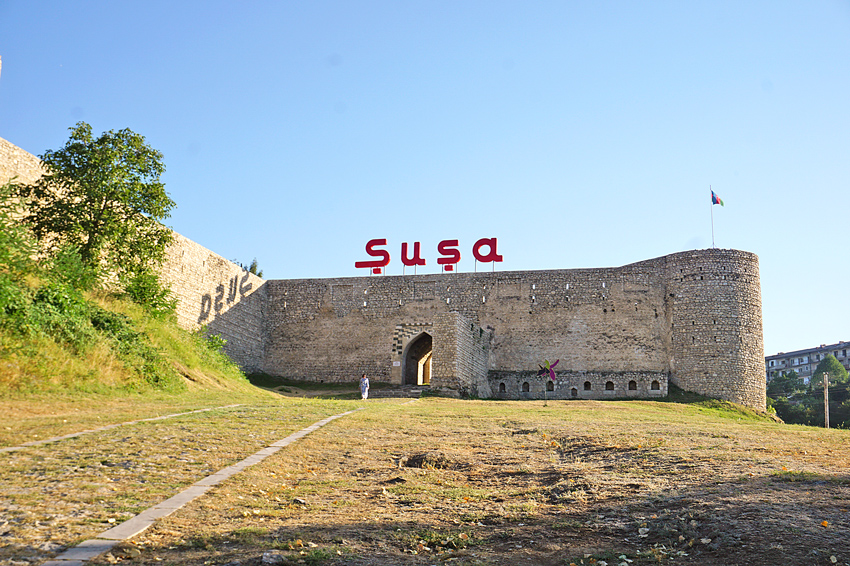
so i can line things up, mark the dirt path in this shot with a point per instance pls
(441, 481)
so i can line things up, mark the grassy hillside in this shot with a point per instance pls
(73, 354)
(70, 359)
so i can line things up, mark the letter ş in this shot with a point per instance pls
(451, 255)
(377, 264)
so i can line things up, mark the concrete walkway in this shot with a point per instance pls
(106, 540)
(107, 427)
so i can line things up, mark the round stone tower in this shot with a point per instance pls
(714, 308)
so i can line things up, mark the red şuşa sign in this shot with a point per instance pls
(448, 250)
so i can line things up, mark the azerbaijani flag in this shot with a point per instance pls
(716, 199)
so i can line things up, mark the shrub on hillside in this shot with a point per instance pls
(68, 267)
(146, 289)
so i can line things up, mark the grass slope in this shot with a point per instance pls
(73, 361)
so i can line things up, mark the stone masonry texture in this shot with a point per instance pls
(15, 162)
(219, 296)
(461, 356)
(692, 319)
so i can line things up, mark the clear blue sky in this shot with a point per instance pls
(580, 133)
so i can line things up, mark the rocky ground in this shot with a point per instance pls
(443, 481)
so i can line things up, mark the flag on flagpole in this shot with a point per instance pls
(716, 199)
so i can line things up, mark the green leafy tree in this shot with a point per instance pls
(785, 385)
(839, 392)
(829, 364)
(798, 412)
(255, 269)
(797, 404)
(103, 198)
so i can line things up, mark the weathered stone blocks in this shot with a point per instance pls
(219, 296)
(693, 318)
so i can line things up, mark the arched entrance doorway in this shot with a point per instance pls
(416, 364)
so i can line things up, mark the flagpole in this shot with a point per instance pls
(712, 218)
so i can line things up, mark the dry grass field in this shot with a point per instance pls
(439, 481)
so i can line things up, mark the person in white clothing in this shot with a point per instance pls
(364, 387)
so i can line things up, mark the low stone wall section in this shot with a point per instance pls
(611, 319)
(578, 385)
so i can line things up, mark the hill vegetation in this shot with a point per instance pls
(68, 335)
(82, 310)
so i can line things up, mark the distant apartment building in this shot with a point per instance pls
(804, 362)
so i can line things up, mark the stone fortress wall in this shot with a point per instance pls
(219, 295)
(691, 318)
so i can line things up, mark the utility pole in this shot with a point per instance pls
(826, 399)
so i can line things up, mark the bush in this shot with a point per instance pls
(60, 311)
(17, 245)
(133, 348)
(14, 302)
(212, 349)
(215, 343)
(67, 267)
(146, 289)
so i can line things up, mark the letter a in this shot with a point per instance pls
(492, 256)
